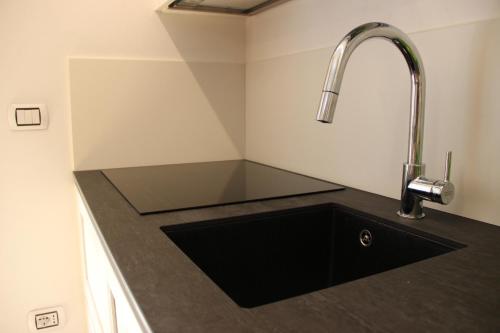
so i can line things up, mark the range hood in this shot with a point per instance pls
(240, 7)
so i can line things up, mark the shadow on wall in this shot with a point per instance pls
(213, 47)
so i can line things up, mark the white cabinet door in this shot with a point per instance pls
(109, 306)
(96, 278)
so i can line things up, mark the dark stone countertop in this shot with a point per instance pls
(455, 292)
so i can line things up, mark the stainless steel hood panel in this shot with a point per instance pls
(241, 7)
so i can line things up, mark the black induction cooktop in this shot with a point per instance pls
(162, 188)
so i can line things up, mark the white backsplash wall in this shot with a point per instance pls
(140, 112)
(366, 145)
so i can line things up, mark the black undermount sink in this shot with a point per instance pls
(263, 258)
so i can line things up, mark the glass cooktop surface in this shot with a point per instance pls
(153, 189)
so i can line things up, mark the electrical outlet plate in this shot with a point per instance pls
(46, 320)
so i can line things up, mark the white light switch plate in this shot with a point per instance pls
(18, 113)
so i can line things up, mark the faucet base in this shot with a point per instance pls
(411, 216)
(411, 205)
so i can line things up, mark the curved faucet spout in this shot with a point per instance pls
(415, 187)
(339, 61)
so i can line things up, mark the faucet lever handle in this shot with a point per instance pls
(441, 191)
(447, 167)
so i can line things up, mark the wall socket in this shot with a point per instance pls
(45, 320)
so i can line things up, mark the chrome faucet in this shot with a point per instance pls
(415, 186)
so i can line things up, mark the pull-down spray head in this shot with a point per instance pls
(336, 70)
(327, 106)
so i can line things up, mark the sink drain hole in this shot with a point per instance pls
(365, 238)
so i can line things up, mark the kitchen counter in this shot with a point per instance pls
(457, 291)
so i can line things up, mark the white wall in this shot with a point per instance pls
(39, 241)
(302, 25)
(131, 111)
(288, 50)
